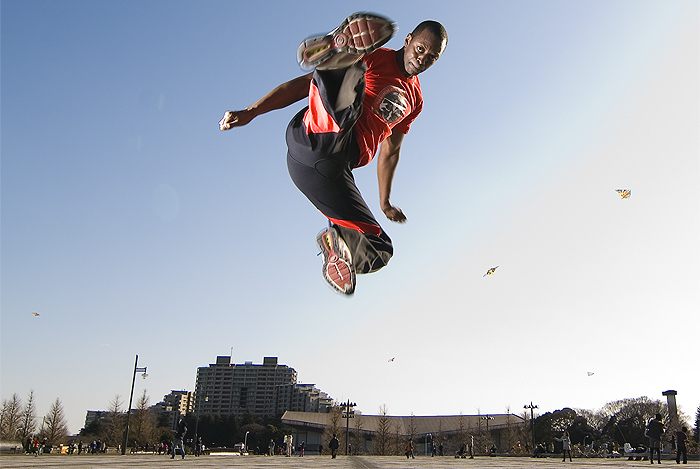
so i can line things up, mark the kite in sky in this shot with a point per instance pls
(36, 314)
(624, 193)
(392, 359)
(491, 271)
(590, 373)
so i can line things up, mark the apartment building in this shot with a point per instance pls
(301, 398)
(266, 389)
(224, 388)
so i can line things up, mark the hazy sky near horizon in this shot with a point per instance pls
(132, 225)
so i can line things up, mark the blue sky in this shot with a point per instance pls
(134, 226)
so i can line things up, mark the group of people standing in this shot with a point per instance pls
(656, 430)
(32, 445)
(288, 448)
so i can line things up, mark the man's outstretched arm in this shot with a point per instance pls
(282, 96)
(387, 160)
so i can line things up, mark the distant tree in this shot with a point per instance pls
(525, 432)
(93, 429)
(440, 437)
(114, 425)
(510, 433)
(628, 419)
(396, 445)
(54, 426)
(696, 436)
(381, 443)
(28, 425)
(412, 430)
(462, 430)
(581, 432)
(144, 421)
(482, 438)
(216, 430)
(10, 418)
(642, 407)
(595, 419)
(550, 426)
(273, 430)
(334, 428)
(562, 419)
(255, 436)
(358, 437)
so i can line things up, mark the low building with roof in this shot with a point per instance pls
(364, 431)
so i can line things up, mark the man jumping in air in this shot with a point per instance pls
(360, 96)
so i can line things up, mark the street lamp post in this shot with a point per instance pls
(487, 418)
(131, 398)
(196, 425)
(245, 442)
(348, 414)
(532, 408)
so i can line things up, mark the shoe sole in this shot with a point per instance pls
(338, 271)
(358, 34)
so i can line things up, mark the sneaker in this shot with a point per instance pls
(357, 35)
(338, 271)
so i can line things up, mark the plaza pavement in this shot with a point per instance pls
(312, 462)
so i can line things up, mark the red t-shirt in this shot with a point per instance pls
(391, 101)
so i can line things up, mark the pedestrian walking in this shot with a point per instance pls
(333, 445)
(681, 447)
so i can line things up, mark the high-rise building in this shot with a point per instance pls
(180, 401)
(96, 415)
(302, 398)
(224, 388)
(173, 406)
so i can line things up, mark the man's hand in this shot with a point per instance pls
(394, 214)
(236, 119)
(284, 95)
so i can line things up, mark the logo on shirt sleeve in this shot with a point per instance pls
(391, 104)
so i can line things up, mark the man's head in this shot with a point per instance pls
(422, 48)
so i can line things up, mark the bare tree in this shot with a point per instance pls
(358, 438)
(482, 438)
(526, 430)
(397, 446)
(642, 407)
(10, 418)
(28, 425)
(462, 432)
(113, 429)
(54, 426)
(334, 428)
(144, 421)
(510, 433)
(412, 426)
(383, 431)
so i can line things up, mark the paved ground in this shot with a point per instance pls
(342, 462)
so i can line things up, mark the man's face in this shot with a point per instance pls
(421, 52)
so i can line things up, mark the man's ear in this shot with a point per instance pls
(408, 39)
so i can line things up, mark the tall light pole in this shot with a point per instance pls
(131, 398)
(245, 442)
(487, 417)
(348, 414)
(532, 408)
(196, 425)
